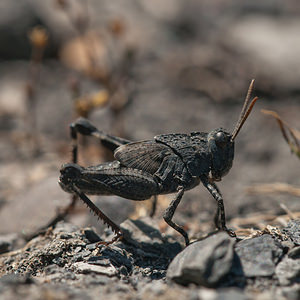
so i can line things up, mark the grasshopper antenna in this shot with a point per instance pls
(246, 110)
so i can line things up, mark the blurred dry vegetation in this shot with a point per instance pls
(139, 68)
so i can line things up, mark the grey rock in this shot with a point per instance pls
(288, 271)
(85, 253)
(294, 253)
(92, 246)
(142, 231)
(91, 235)
(115, 256)
(259, 255)
(100, 261)
(293, 231)
(205, 263)
(289, 292)
(145, 236)
(85, 268)
(78, 249)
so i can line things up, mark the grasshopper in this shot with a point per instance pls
(170, 163)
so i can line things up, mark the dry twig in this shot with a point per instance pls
(291, 135)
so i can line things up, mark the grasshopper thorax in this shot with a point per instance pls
(221, 149)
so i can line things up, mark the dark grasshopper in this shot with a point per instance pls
(170, 163)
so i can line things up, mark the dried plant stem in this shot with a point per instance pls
(38, 38)
(290, 135)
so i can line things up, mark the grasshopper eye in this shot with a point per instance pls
(220, 139)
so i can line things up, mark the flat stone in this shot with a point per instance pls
(99, 261)
(86, 268)
(142, 231)
(145, 236)
(91, 235)
(294, 253)
(288, 271)
(259, 255)
(205, 262)
(92, 246)
(116, 256)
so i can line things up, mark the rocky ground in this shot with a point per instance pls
(166, 67)
(68, 262)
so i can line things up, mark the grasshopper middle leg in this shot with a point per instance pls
(168, 215)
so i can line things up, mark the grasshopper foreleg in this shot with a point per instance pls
(220, 220)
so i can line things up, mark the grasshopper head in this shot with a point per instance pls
(221, 149)
(221, 143)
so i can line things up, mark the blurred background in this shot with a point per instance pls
(138, 68)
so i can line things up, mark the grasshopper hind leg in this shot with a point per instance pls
(106, 179)
(109, 179)
(84, 127)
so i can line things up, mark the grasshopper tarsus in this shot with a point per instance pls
(118, 237)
